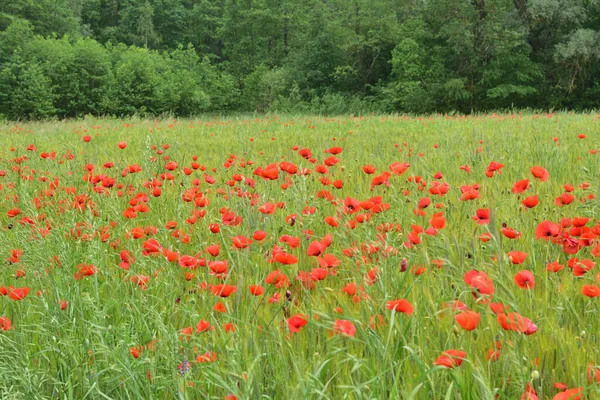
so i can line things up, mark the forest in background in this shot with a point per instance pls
(70, 58)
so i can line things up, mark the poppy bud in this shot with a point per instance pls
(403, 265)
(535, 375)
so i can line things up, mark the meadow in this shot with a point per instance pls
(373, 257)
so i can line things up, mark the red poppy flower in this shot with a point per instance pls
(498, 308)
(368, 169)
(315, 248)
(520, 186)
(5, 324)
(525, 279)
(277, 278)
(424, 202)
(223, 290)
(468, 320)
(206, 357)
(547, 229)
(186, 261)
(493, 167)
(259, 235)
(564, 199)
(582, 267)
(510, 232)
(297, 322)
(438, 221)
(480, 281)
(554, 266)
(240, 242)
(590, 290)
(485, 237)
(140, 280)
(350, 289)
(531, 201)
(470, 194)
(482, 216)
(13, 212)
(344, 327)
(267, 208)
(516, 322)
(492, 355)
(399, 168)
(516, 257)
(202, 326)
(402, 306)
(451, 358)
(18, 293)
(256, 290)
(286, 259)
(328, 261)
(570, 394)
(213, 249)
(540, 173)
(593, 374)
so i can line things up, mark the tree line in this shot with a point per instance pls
(69, 58)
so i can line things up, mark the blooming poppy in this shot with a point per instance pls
(480, 281)
(590, 290)
(520, 186)
(531, 201)
(525, 279)
(18, 293)
(256, 290)
(540, 173)
(297, 322)
(564, 199)
(498, 308)
(492, 355)
(468, 320)
(401, 305)
(240, 242)
(203, 326)
(482, 216)
(344, 327)
(285, 258)
(547, 229)
(492, 168)
(485, 237)
(350, 289)
(206, 357)
(554, 266)
(451, 358)
(5, 324)
(510, 232)
(516, 322)
(569, 394)
(516, 257)
(223, 290)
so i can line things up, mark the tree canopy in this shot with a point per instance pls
(69, 58)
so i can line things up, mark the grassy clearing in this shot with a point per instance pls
(71, 212)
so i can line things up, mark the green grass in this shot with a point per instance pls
(83, 352)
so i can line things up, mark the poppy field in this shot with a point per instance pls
(280, 257)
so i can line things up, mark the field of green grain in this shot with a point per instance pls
(301, 257)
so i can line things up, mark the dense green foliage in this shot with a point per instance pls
(73, 57)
